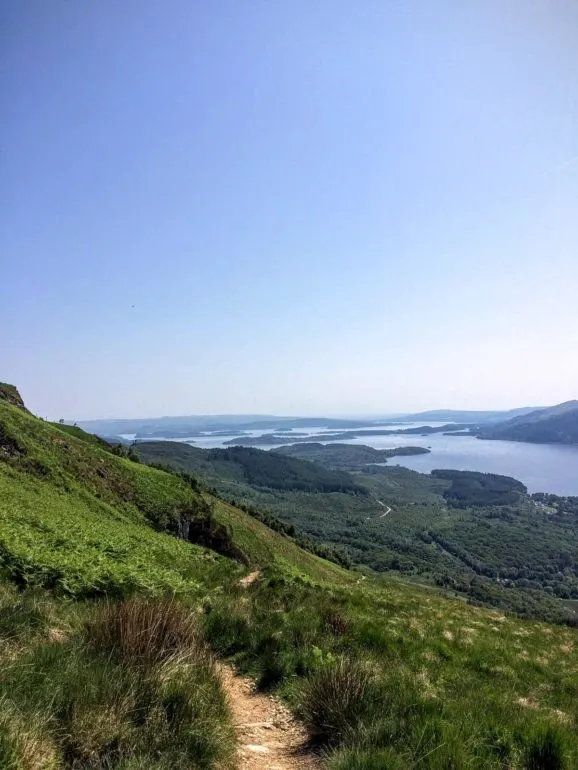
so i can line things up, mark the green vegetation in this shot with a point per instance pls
(115, 686)
(77, 518)
(476, 535)
(473, 488)
(346, 456)
(105, 671)
(263, 469)
(389, 671)
(254, 467)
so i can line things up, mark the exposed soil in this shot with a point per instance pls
(269, 736)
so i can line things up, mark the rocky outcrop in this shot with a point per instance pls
(10, 394)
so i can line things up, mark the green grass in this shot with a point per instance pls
(74, 430)
(386, 674)
(393, 671)
(84, 547)
(122, 685)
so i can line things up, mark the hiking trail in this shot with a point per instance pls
(268, 735)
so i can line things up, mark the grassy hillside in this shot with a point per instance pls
(400, 677)
(76, 517)
(385, 674)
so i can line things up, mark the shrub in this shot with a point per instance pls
(337, 699)
(336, 622)
(143, 631)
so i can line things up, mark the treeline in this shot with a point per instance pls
(275, 471)
(328, 552)
(207, 532)
(471, 488)
(563, 506)
(525, 603)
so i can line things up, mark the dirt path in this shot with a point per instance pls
(381, 515)
(386, 512)
(269, 737)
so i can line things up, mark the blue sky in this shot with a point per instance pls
(303, 207)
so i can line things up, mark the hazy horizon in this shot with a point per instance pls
(329, 208)
(263, 415)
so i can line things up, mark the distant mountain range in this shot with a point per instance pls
(552, 425)
(235, 424)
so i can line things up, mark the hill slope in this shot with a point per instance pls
(555, 425)
(76, 517)
(463, 416)
(385, 674)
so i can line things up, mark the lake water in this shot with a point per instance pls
(541, 467)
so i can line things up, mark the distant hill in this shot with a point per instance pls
(553, 425)
(457, 415)
(234, 424)
(225, 424)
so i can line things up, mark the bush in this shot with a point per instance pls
(143, 631)
(140, 690)
(337, 699)
(335, 621)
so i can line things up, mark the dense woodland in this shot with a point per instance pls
(477, 535)
(480, 489)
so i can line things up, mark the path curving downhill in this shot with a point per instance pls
(387, 511)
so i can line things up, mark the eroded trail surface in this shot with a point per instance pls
(269, 737)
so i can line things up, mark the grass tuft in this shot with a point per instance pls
(338, 698)
(143, 631)
(546, 749)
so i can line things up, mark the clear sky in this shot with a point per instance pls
(292, 207)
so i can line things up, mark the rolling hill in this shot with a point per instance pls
(555, 425)
(465, 416)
